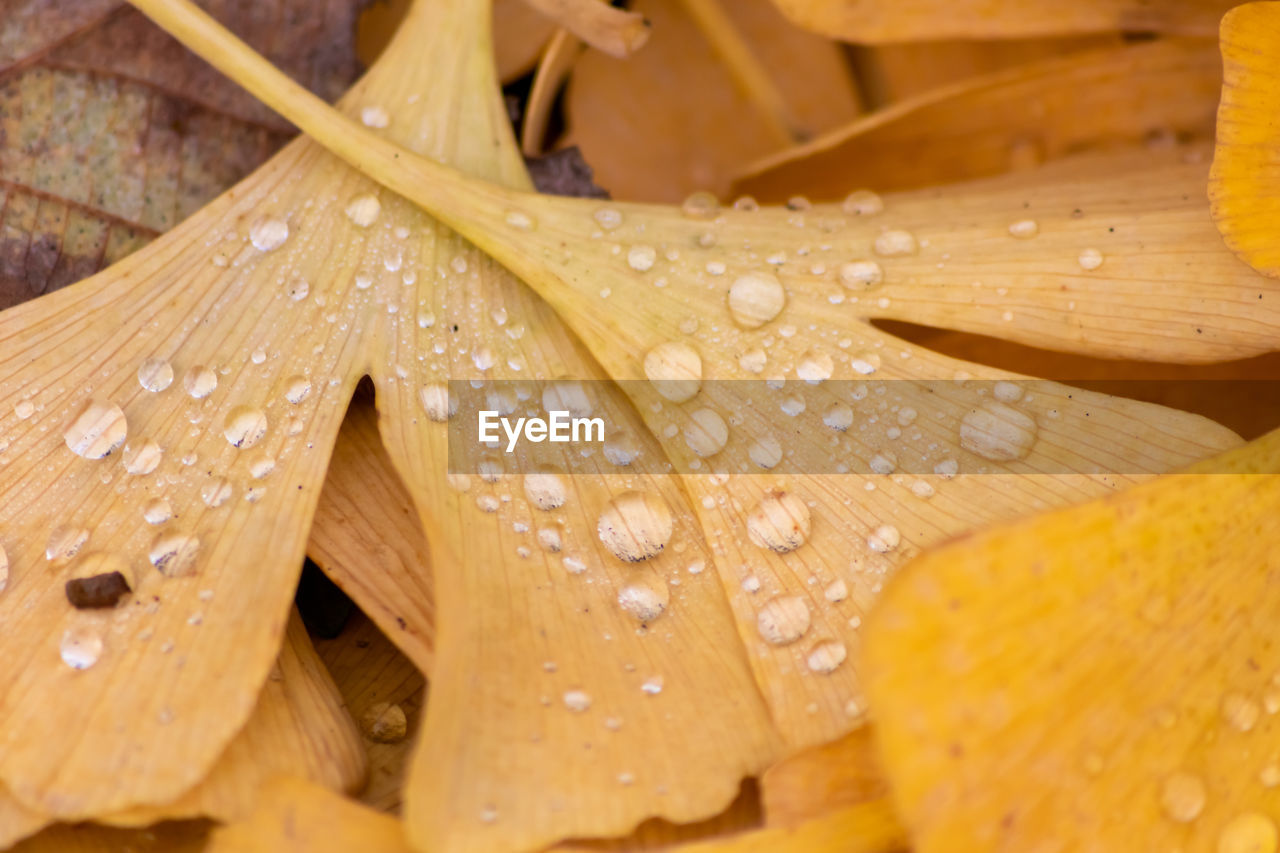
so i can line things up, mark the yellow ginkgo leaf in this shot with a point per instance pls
(984, 126)
(801, 557)
(868, 827)
(822, 779)
(1100, 676)
(1242, 184)
(872, 21)
(367, 537)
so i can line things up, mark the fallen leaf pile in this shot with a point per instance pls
(824, 585)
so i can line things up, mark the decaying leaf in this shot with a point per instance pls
(917, 20)
(111, 132)
(1008, 121)
(652, 126)
(1100, 675)
(1242, 184)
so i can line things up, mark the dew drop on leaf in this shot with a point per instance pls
(862, 203)
(363, 210)
(64, 543)
(157, 511)
(756, 298)
(783, 620)
(895, 243)
(645, 601)
(1183, 796)
(826, 656)
(675, 369)
(635, 525)
(268, 234)
(97, 430)
(706, 433)
(81, 646)
(244, 426)
(174, 554)
(545, 490)
(780, 522)
(998, 432)
(155, 374)
(142, 458)
(200, 381)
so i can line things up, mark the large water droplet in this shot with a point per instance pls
(706, 433)
(363, 210)
(826, 656)
(96, 430)
(268, 234)
(756, 298)
(675, 369)
(815, 367)
(200, 381)
(545, 490)
(1182, 796)
(155, 374)
(157, 511)
(81, 646)
(142, 458)
(895, 243)
(436, 402)
(860, 275)
(635, 525)
(1090, 259)
(244, 426)
(783, 620)
(998, 432)
(296, 389)
(174, 554)
(645, 601)
(780, 522)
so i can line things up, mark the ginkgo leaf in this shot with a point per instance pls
(617, 32)
(113, 133)
(822, 779)
(1103, 675)
(894, 72)
(598, 266)
(652, 126)
(172, 837)
(385, 693)
(520, 33)
(1243, 179)
(367, 538)
(1007, 121)
(871, 21)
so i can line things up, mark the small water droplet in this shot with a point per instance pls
(200, 381)
(895, 243)
(644, 601)
(783, 619)
(363, 210)
(826, 656)
(641, 258)
(244, 426)
(577, 700)
(815, 367)
(865, 363)
(174, 554)
(64, 543)
(862, 203)
(155, 374)
(836, 591)
(141, 459)
(4, 569)
(261, 467)
(375, 116)
(545, 490)
(635, 525)
(1183, 796)
(838, 416)
(756, 298)
(296, 389)
(81, 646)
(436, 402)
(884, 538)
(700, 205)
(298, 289)
(216, 492)
(765, 452)
(1240, 711)
(519, 220)
(157, 511)
(780, 522)
(1090, 259)
(860, 275)
(608, 218)
(998, 432)
(621, 448)
(1024, 229)
(675, 369)
(706, 433)
(97, 430)
(268, 234)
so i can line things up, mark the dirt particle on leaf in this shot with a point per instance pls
(103, 590)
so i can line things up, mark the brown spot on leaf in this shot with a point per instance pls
(97, 591)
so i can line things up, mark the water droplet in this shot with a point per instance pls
(200, 381)
(780, 522)
(700, 205)
(621, 448)
(1269, 775)
(1240, 712)
(157, 511)
(865, 363)
(836, 591)
(363, 210)
(895, 243)
(155, 374)
(24, 409)
(577, 700)
(635, 525)
(141, 459)
(261, 467)
(4, 569)
(298, 289)
(608, 218)
(174, 554)
(675, 369)
(883, 463)
(1090, 259)
(244, 426)
(81, 646)
(838, 416)
(374, 116)
(706, 433)
(1007, 392)
(519, 220)
(268, 234)
(296, 389)
(1182, 796)
(756, 298)
(826, 656)
(550, 539)
(644, 601)
(98, 429)
(862, 203)
(998, 432)
(783, 620)
(545, 490)
(753, 360)
(860, 275)
(436, 402)
(884, 539)
(567, 395)
(1024, 229)
(216, 492)
(64, 543)
(641, 258)
(815, 367)
(1250, 832)
(765, 452)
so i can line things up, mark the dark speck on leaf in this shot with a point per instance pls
(97, 591)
